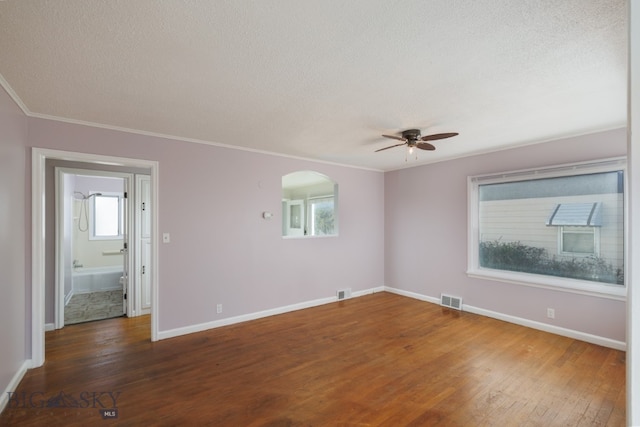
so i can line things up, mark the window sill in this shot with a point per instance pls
(321, 236)
(601, 290)
(103, 238)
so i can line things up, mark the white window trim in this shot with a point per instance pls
(310, 218)
(584, 287)
(92, 218)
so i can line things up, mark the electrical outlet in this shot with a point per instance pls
(551, 313)
(219, 308)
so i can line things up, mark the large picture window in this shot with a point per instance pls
(560, 227)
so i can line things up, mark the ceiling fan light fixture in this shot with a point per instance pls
(411, 148)
(413, 139)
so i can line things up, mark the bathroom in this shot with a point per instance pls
(92, 225)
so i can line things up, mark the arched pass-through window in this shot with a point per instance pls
(309, 205)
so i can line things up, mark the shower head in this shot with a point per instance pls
(85, 197)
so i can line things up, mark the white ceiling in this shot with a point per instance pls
(323, 79)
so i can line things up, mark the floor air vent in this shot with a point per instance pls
(344, 293)
(451, 302)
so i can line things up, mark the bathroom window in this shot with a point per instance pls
(107, 212)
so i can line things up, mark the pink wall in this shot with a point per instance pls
(426, 236)
(222, 251)
(13, 224)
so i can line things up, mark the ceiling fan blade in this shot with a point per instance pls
(386, 148)
(425, 146)
(399, 138)
(438, 136)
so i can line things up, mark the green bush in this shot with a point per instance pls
(514, 256)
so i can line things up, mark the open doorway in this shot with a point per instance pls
(93, 229)
(43, 225)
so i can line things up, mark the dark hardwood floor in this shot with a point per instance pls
(377, 360)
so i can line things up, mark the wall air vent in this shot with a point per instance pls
(451, 302)
(343, 293)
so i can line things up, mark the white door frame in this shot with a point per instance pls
(142, 238)
(39, 157)
(128, 239)
(633, 152)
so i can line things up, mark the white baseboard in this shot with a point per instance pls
(49, 327)
(366, 292)
(258, 315)
(412, 295)
(570, 333)
(13, 384)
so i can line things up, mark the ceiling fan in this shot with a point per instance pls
(413, 139)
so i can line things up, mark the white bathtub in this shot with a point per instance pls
(95, 279)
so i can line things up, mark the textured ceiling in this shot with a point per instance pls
(323, 79)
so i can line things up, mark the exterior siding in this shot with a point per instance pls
(523, 220)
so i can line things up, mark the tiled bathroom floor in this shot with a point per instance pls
(93, 306)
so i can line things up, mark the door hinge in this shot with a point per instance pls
(143, 268)
(125, 195)
(144, 206)
(124, 296)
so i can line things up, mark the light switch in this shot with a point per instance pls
(166, 238)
